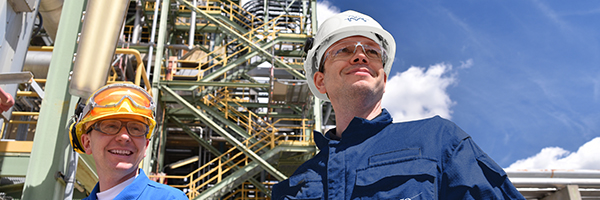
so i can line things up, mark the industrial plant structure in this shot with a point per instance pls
(234, 114)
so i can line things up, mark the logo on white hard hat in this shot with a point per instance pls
(355, 18)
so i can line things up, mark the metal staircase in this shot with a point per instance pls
(212, 87)
(231, 95)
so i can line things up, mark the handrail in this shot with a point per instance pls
(139, 77)
(269, 31)
(265, 136)
(245, 192)
(140, 70)
(221, 53)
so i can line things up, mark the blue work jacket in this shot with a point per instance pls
(144, 188)
(377, 159)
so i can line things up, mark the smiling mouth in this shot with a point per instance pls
(121, 152)
(358, 70)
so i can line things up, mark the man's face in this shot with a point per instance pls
(358, 73)
(118, 153)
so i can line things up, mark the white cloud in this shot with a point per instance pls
(467, 64)
(325, 9)
(586, 157)
(418, 93)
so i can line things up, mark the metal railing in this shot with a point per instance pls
(245, 193)
(139, 77)
(221, 57)
(264, 134)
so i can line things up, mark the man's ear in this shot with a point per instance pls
(384, 81)
(145, 148)
(86, 143)
(319, 79)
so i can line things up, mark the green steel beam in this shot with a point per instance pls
(233, 126)
(51, 150)
(228, 67)
(205, 29)
(235, 75)
(191, 133)
(244, 58)
(217, 115)
(218, 84)
(226, 20)
(170, 99)
(235, 63)
(14, 164)
(245, 40)
(290, 53)
(214, 126)
(160, 48)
(185, 112)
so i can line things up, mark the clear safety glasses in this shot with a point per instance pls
(345, 50)
(111, 100)
(113, 126)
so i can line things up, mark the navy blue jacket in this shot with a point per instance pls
(144, 188)
(377, 159)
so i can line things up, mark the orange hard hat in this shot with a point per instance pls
(119, 100)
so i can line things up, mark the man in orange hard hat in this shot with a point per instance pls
(115, 128)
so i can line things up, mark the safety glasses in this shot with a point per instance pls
(111, 99)
(113, 126)
(345, 50)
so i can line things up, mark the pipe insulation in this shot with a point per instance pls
(50, 11)
(38, 63)
(99, 35)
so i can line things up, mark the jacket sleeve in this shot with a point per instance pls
(469, 173)
(280, 189)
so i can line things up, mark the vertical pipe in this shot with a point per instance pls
(313, 16)
(152, 34)
(137, 27)
(304, 14)
(192, 26)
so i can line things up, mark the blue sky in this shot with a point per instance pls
(522, 77)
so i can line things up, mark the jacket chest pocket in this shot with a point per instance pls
(406, 179)
(308, 185)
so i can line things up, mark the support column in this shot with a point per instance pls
(51, 149)
(160, 49)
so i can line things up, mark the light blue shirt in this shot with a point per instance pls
(144, 188)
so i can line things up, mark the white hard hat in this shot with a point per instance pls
(340, 26)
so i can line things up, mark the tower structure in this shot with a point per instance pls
(234, 111)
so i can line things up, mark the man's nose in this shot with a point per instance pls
(359, 56)
(123, 134)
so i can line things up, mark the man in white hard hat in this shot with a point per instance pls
(367, 156)
(115, 127)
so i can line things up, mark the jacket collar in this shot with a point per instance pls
(358, 130)
(132, 191)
